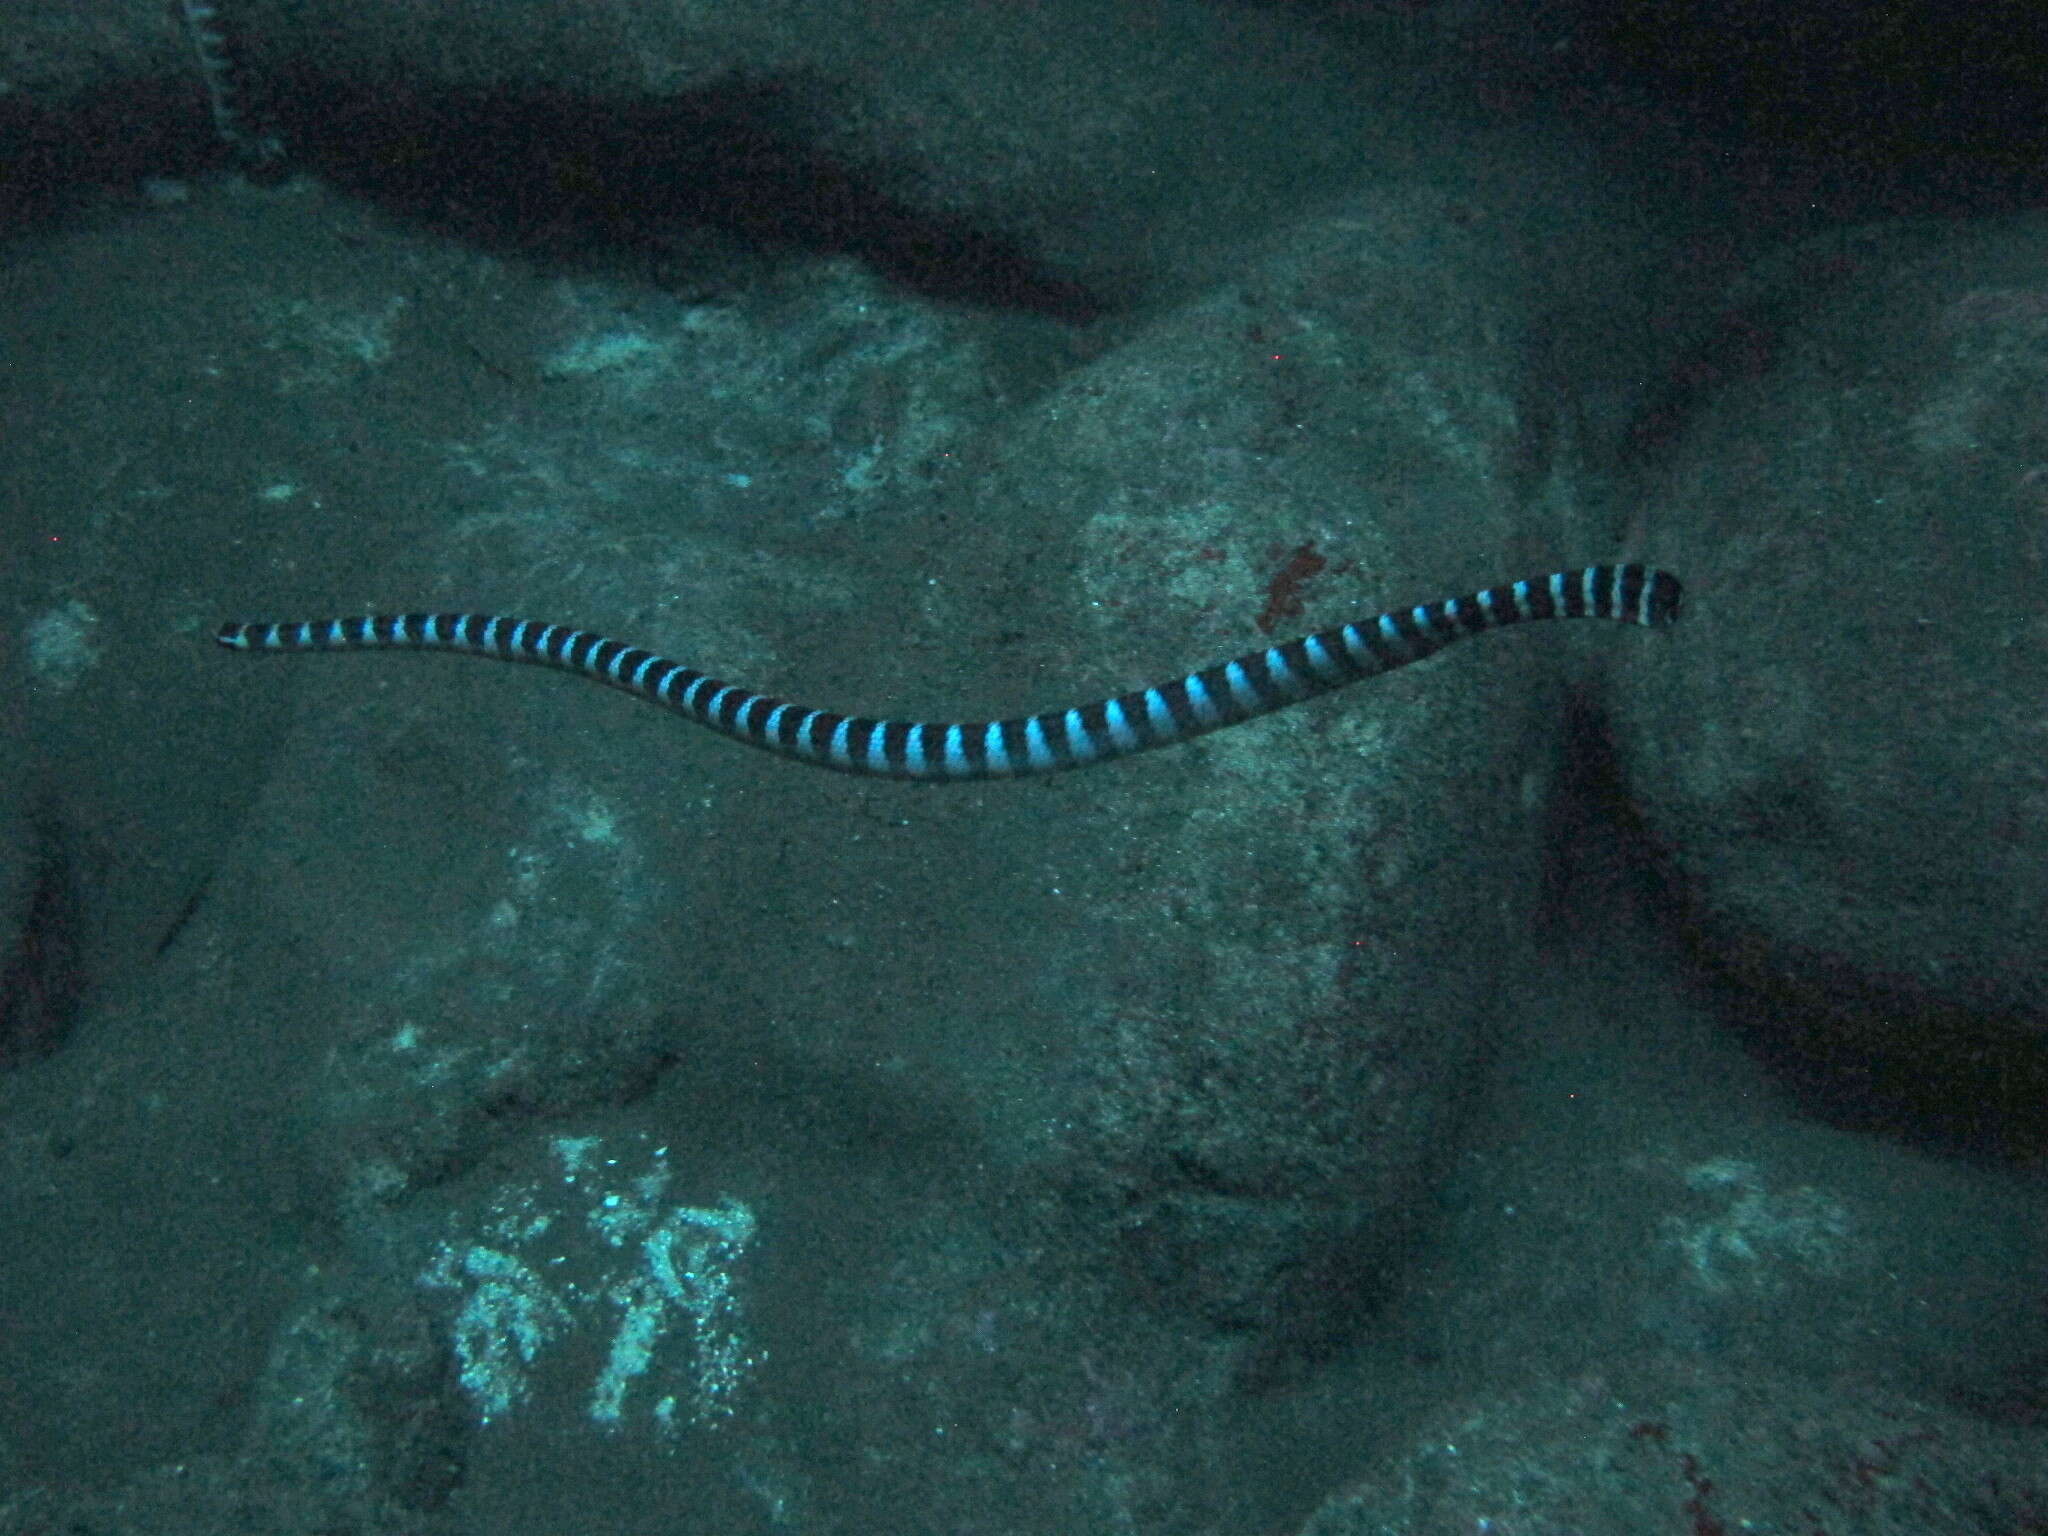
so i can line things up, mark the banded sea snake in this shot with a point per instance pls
(221, 76)
(1232, 691)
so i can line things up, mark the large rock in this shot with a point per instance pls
(1629, 1447)
(1300, 928)
(1847, 761)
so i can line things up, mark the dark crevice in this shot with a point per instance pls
(1856, 1052)
(1860, 1055)
(102, 145)
(574, 179)
(666, 189)
(42, 969)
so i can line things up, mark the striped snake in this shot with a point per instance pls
(1254, 684)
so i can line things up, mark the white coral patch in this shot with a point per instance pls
(60, 644)
(660, 1279)
(1757, 1234)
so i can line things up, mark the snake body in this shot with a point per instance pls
(1254, 684)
